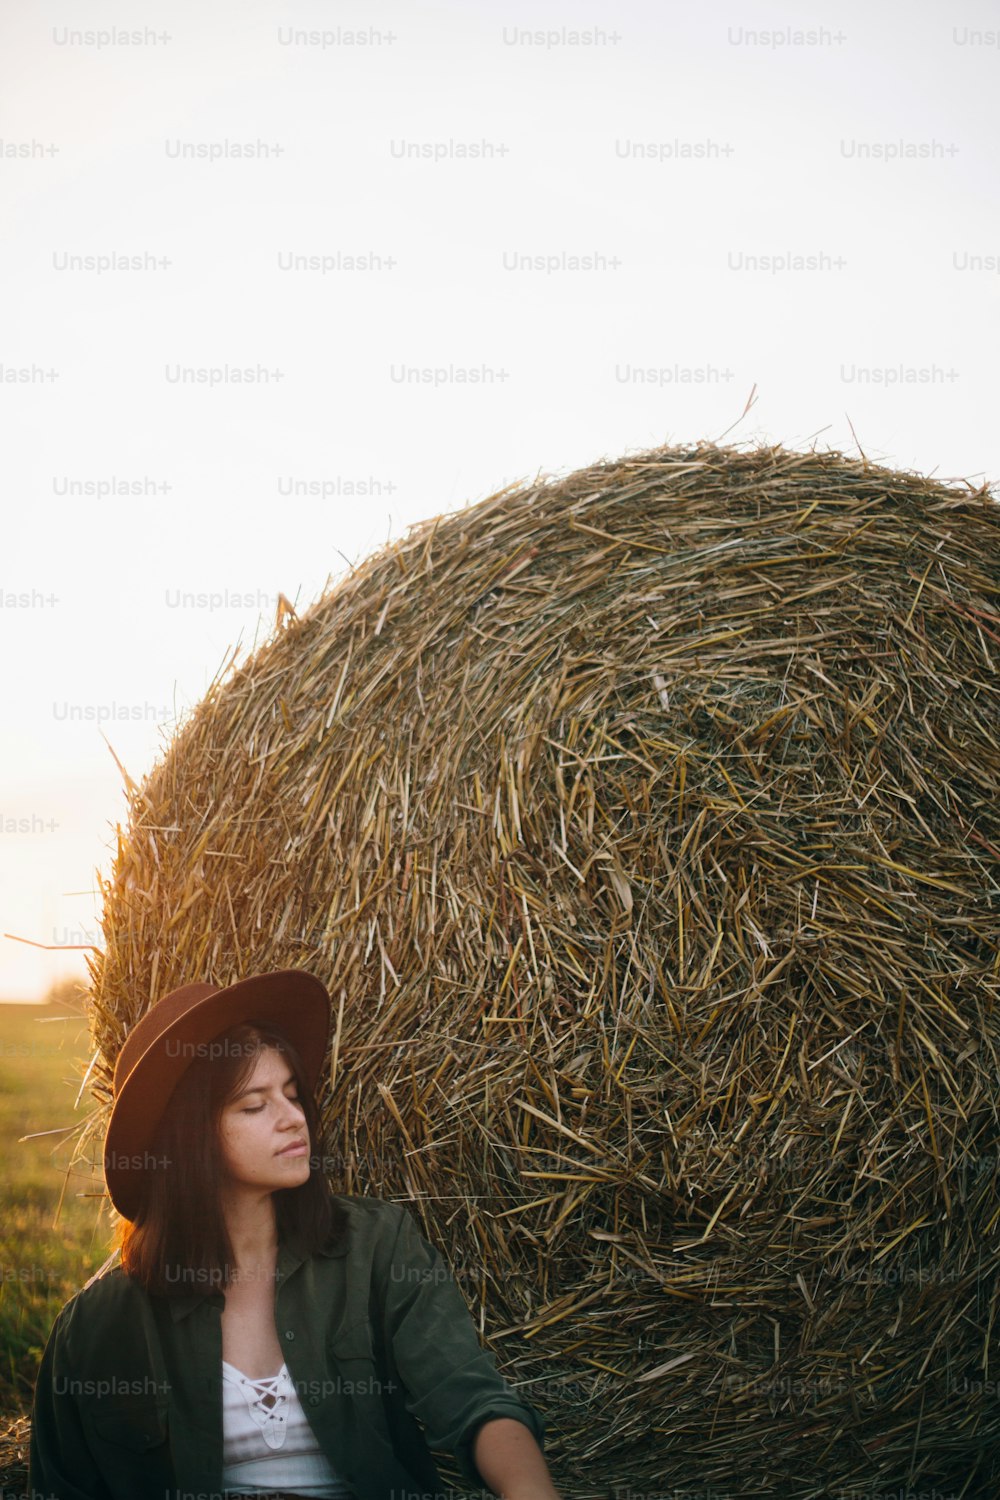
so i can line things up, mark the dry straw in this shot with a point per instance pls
(644, 825)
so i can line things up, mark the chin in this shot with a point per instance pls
(294, 1172)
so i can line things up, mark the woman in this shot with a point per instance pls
(262, 1334)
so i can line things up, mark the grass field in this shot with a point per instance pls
(54, 1233)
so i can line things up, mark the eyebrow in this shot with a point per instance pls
(259, 1089)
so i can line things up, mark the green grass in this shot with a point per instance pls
(47, 1249)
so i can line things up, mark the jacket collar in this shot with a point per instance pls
(288, 1262)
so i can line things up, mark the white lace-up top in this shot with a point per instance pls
(267, 1443)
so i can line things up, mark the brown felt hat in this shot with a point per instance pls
(174, 1033)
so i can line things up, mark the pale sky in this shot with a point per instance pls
(553, 200)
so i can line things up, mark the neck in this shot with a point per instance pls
(253, 1232)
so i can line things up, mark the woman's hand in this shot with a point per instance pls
(511, 1462)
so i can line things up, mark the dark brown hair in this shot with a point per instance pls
(178, 1242)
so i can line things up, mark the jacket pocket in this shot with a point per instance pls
(356, 1376)
(352, 1341)
(138, 1426)
(130, 1444)
(351, 1353)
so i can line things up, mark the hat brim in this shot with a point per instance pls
(293, 1000)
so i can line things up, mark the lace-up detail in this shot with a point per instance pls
(267, 1400)
(268, 1446)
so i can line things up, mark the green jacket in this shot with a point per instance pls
(377, 1338)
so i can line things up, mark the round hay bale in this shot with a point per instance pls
(644, 825)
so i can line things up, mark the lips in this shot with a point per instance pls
(294, 1148)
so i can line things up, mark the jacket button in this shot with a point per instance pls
(289, 1334)
(313, 1400)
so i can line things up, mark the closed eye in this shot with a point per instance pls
(255, 1109)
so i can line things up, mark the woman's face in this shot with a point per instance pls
(260, 1124)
